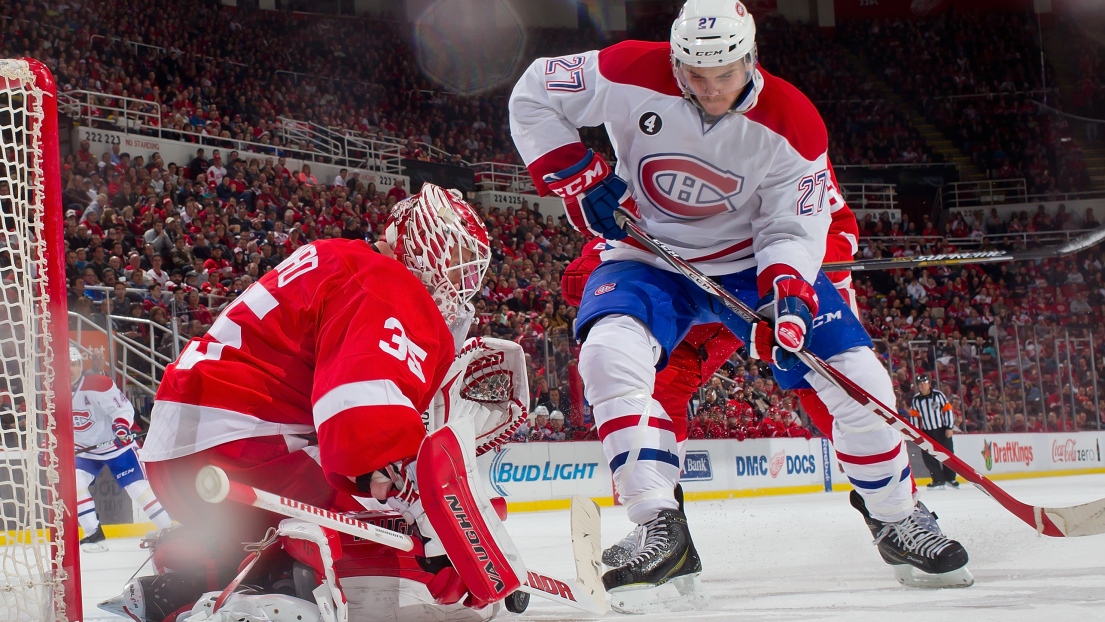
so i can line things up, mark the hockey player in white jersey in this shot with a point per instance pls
(102, 420)
(727, 165)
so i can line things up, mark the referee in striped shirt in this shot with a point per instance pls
(938, 421)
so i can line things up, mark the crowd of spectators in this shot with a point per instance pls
(157, 242)
(863, 127)
(232, 81)
(966, 324)
(978, 76)
(1088, 98)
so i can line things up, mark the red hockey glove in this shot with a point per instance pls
(592, 193)
(792, 303)
(575, 276)
(123, 434)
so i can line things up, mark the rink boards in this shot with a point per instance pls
(544, 476)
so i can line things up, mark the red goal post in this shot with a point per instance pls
(39, 551)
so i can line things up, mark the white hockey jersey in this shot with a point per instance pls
(752, 190)
(97, 404)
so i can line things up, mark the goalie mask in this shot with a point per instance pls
(713, 55)
(443, 242)
(76, 365)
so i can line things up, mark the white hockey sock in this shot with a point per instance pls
(86, 505)
(871, 452)
(143, 495)
(617, 364)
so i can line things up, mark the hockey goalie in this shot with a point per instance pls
(313, 385)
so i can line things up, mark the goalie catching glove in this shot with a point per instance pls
(792, 304)
(592, 194)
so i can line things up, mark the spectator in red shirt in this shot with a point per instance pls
(216, 264)
(197, 311)
(397, 191)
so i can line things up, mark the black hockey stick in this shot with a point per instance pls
(1080, 520)
(1075, 245)
(104, 445)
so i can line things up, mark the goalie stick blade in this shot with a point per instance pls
(587, 547)
(564, 591)
(1087, 519)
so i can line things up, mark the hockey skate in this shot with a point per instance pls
(95, 541)
(916, 548)
(619, 554)
(663, 574)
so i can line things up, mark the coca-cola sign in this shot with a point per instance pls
(1067, 450)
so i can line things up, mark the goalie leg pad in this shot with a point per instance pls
(243, 607)
(470, 531)
(319, 548)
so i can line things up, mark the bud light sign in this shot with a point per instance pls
(696, 467)
(506, 472)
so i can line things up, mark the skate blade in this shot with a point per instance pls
(911, 577)
(684, 593)
(94, 547)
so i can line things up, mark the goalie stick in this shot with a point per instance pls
(214, 486)
(1080, 520)
(1083, 242)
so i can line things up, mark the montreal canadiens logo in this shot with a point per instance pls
(687, 188)
(81, 420)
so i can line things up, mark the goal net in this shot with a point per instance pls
(39, 567)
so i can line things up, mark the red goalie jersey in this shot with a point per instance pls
(337, 340)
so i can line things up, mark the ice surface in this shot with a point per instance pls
(809, 557)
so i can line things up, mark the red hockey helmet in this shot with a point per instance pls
(442, 240)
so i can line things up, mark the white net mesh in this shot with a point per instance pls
(31, 577)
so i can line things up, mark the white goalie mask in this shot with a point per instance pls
(442, 240)
(76, 364)
(713, 50)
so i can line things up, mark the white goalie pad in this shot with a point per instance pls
(331, 601)
(241, 607)
(487, 383)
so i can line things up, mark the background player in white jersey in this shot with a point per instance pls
(312, 386)
(102, 420)
(728, 166)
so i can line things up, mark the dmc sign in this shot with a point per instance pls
(753, 466)
(696, 467)
(504, 472)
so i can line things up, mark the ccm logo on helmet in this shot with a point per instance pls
(713, 53)
(687, 188)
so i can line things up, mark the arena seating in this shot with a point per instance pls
(122, 215)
